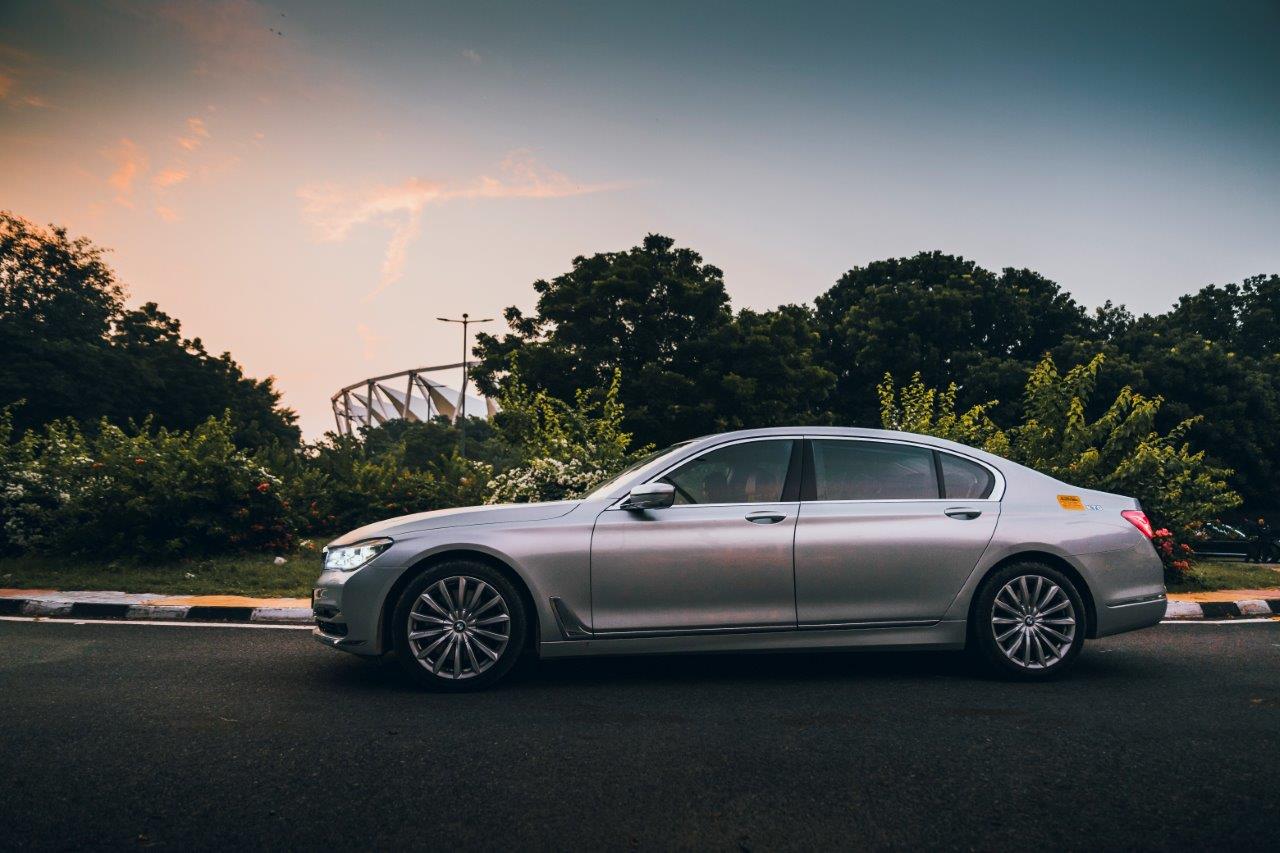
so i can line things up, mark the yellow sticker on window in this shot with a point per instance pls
(1071, 502)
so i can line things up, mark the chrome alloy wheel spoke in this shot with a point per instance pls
(1033, 622)
(459, 627)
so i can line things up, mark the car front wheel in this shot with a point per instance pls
(1028, 621)
(459, 626)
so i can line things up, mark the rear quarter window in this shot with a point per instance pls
(965, 480)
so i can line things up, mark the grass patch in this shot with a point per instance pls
(1229, 574)
(244, 574)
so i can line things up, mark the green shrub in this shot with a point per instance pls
(567, 449)
(145, 494)
(1121, 451)
(339, 484)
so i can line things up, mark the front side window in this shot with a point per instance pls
(745, 473)
(965, 480)
(872, 471)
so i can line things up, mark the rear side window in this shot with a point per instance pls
(965, 480)
(872, 471)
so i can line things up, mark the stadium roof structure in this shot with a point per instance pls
(411, 395)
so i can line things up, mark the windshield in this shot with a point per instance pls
(603, 488)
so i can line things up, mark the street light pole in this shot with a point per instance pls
(460, 413)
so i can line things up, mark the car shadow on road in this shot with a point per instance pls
(795, 668)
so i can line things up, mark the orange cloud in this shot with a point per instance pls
(228, 35)
(130, 162)
(15, 67)
(170, 176)
(333, 212)
(168, 214)
(197, 133)
(370, 339)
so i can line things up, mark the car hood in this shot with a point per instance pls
(458, 517)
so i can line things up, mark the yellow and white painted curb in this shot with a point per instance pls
(57, 604)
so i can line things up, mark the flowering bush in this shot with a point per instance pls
(1175, 555)
(567, 449)
(143, 494)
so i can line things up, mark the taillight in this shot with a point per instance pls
(1139, 519)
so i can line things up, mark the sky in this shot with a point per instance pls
(310, 184)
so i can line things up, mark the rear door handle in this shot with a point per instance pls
(963, 512)
(765, 517)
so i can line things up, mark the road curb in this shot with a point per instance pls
(64, 605)
(1247, 608)
(53, 607)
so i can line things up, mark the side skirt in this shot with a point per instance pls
(936, 635)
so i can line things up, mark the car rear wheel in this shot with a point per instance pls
(459, 626)
(1028, 621)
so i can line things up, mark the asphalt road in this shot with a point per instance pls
(126, 735)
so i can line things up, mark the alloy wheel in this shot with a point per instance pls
(459, 627)
(1033, 622)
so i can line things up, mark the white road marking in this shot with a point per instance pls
(1218, 621)
(183, 624)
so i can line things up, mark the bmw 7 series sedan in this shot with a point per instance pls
(769, 539)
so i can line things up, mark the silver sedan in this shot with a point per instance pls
(774, 539)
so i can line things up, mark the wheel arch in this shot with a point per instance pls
(1056, 561)
(430, 561)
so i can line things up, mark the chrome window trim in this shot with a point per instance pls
(698, 455)
(997, 491)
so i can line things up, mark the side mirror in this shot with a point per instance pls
(650, 496)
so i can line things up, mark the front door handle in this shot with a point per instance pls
(765, 517)
(963, 512)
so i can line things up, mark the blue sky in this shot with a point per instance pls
(312, 200)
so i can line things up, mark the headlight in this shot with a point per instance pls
(348, 558)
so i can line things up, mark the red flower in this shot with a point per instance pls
(138, 460)
(1163, 531)
(264, 487)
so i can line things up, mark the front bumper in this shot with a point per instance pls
(347, 606)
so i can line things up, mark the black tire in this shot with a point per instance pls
(410, 650)
(1046, 656)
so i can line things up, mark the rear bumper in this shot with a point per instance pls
(1127, 587)
(1118, 618)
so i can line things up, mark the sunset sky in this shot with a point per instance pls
(309, 184)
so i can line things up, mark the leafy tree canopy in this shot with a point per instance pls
(662, 317)
(70, 348)
(944, 317)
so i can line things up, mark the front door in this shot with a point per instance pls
(719, 559)
(889, 532)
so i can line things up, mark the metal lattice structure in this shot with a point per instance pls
(413, 395)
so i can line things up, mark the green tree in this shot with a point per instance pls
(943, 316)
(662, 317)
(69, 348)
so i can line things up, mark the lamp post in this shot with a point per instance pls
(460, 414)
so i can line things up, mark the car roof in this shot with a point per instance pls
(846, 432)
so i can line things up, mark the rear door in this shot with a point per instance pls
(889, 531)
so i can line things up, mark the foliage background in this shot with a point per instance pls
(624, 350)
